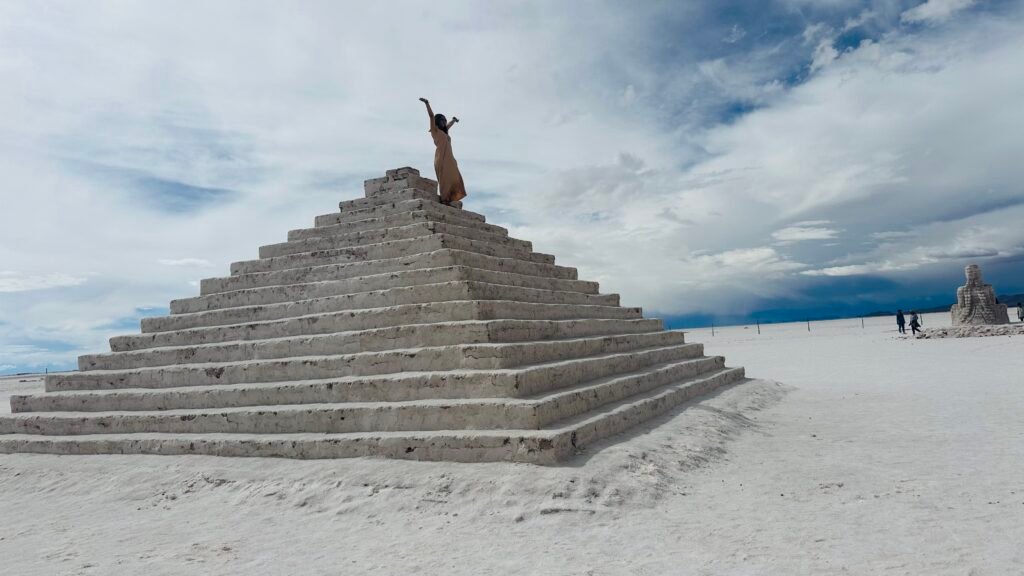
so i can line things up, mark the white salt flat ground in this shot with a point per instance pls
(878, 455)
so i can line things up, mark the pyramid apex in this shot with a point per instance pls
(399, 179)
(396, 172)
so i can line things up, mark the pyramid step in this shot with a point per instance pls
(364, 319)
(308, 291)
(617, 417)
(462, 356)
(546, 446)
(436, 259)
(419, 294)
(363, 238)
(388, 197)
(395, 221)
(416, 415)
(539, 447)
(376, 339)
(561, 405)
(398, 387)
(396, 207)
(384, 250)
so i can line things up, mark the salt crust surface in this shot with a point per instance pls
(860, 452)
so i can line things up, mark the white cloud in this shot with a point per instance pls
(193, 262)
(671, 215)
(814, 32)
(893, 235)
(888, 143)
(629, 95)
(851, 270)
(746, 261)
(861, 19)
(824, 54)
(935, 11)
(743, 81)
(885, 267)
(18, 282)
(736, 33)
(809, 230)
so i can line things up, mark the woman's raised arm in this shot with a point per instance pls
(430, 112)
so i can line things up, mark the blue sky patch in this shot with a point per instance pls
(178, 197)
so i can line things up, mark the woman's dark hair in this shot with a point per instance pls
(441, 122)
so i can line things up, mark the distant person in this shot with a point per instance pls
(1020, 312)
(901, 321)
(449, 179)
(915, 323)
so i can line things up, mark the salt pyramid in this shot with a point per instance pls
(396, 327)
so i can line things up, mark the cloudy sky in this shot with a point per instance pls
(707, 160)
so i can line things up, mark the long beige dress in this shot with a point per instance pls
(449, 179)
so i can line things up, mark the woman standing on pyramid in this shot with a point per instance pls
(449, 179)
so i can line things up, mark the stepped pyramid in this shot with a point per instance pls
(397, 327)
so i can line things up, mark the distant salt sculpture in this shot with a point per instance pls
(976, 302)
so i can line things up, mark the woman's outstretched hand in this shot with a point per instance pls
(455, 119)
(424, 100)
